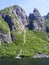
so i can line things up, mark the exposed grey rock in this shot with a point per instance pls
(5, 38)
(45, 46)
(46, 16)
(36, 20)
(41, 56)
(21, 14)
(15, 22)
(18, 12)
(47, 22)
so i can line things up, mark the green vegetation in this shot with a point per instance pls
(3, 26)
(42, 34)
(19, 37)
(34, 45)
(10, 50)
(13, 17)
(6, 10)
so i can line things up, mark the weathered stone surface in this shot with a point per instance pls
(47, 22)
(37, 22)
(46, 16)
(21, 14)
(5, 38)
(41, 56)
(16, 18)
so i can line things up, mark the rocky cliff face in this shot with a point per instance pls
(47, 22)
(46, 16)
(14, 12)
(37, 22)
(5, 36)
(21, 14)
(16, 19)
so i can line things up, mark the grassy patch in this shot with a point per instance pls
(3, 26)
(34, 44)
(42, 34)
(10, 50)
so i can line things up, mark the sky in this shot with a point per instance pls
(27, 5)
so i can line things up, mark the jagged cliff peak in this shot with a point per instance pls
(37, 22)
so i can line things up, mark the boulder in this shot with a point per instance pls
(5, 38)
